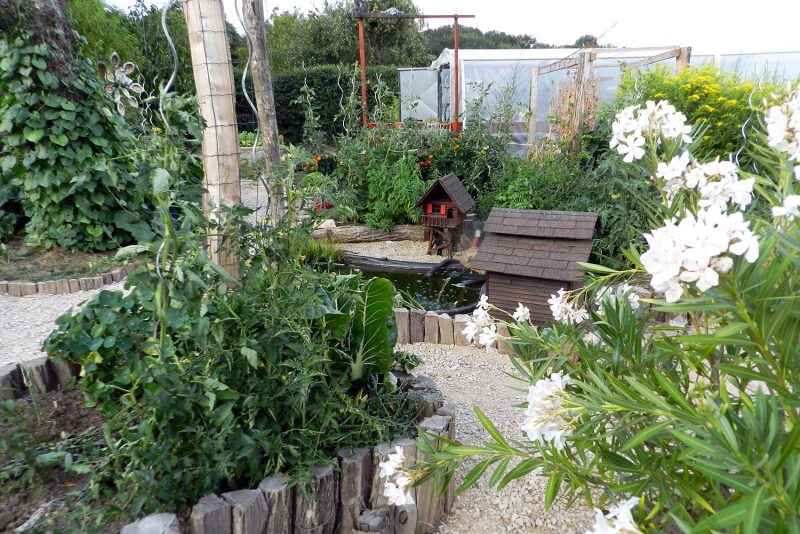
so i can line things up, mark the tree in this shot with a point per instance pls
(106, 30)
(586, 41)
(437, 39)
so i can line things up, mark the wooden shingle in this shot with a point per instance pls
(454, 189)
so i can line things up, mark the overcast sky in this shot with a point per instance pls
(708, 26)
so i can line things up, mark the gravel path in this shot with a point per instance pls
(468, 376)
(25, 322)
(393, 250)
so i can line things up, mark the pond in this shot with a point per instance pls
(445, 290)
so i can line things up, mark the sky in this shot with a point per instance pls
(708, 26)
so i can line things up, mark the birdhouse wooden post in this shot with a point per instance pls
(444, 206)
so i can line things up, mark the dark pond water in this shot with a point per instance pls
(442, 291)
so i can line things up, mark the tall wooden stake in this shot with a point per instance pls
(253, 12)
(213, 78)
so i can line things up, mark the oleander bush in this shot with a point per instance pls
(689, 425)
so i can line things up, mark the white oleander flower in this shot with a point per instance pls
(615, 293)
(544, 420)
(591, 338)
(488, 336)
(789, 209)
(618, 520)
(674, 169)
(522, 313)
(564, 311)
(397, 487)
(783, 128)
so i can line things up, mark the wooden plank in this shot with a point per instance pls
(533, 102)
(401, 316)
(404, 518)
(669, 54)
(449, 410)
(211, 515)
(64, 370)
(12, 385)
(280, 502)
(430, 506)
(446, 333)
(39, 374)
(432, 328)
(248, 511)
(582, 79)
(355, 476)
(417, 324)
(459, 323)
(565, 63)
(316, 512)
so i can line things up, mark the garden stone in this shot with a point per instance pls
(376, 520)
(424, 402)
(317, 511)
(423, 382)
(403, 378)
(11, 383)
(355, 475)
(459, 323)
(446, 330)
(248, 511)
(211, 515)
(154, 524)
(432, 328)
(417, 325)
(280, 502)
(39, 373)
(403, 333)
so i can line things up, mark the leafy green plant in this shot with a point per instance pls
(63, 152)
(247, 139)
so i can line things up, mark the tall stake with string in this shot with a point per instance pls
(213, 78)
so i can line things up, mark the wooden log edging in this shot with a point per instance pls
(418, 326)
(21, 288)
(347, 500)
(42, 374)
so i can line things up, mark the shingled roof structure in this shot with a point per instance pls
(529, 255)
(454, 189)
(538, 244)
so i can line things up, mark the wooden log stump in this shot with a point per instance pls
(446, 334)
(27, 288)
(430, 506)
(459, 323)
(3, 287)
(39, 374)
(317, 512)
(211, 515)
(417, 325)
(375, 520)
(355, 476)
(248, 511)
(449, 410)
(64, 371)
(502, 346)
(380, 454)
(74, 285)
(12, 386)
(432, 328)
(401, 315)
(404, 518)
(62, 286)
(280, 502)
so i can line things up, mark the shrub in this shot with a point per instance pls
(64, 151)
(690, 426)
(712, 98)
(211, 385)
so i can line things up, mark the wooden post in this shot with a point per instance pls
(455, 125)
(533, 102)
(213, 78)
(362, 61)
(253, 13)
(582, 78)
(684, 55)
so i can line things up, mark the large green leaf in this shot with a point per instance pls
(371, 350)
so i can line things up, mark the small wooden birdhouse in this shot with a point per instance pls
(444, 206)
(529, 255)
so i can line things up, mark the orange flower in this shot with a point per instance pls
(313, 168)
(317, 159)
(430, 156)
(457, 147)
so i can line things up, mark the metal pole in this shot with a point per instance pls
(454, 123)
(362, 58)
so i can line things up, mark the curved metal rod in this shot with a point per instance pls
(244, 74)
(174, 54)
(744, 126)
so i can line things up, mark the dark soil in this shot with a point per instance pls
(21, 263)
(63, 423)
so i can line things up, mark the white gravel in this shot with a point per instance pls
(469, 376)
(393, 250)
(25, 322)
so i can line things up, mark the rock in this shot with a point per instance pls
(423, 382)
(154, 524)
(211, 515)
(327, 223)
(375, 520)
